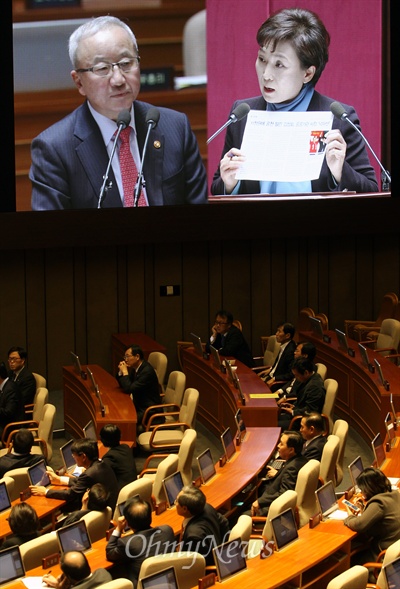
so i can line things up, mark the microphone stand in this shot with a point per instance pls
(104, 186)
(140, 182)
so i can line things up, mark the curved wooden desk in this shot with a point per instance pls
(82, 405)
(121, 341)
(361, 399)
(219, 399)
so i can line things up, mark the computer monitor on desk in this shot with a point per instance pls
(76, 363)
(228, 443)
(382, 379)
(378, 450)
(316, 327)
(343, 344)
(198, 345)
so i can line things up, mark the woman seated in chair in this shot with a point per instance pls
(24, 524)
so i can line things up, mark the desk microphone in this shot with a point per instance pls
(152, 118)
(340, 113)
(237, 114)
(123, 120)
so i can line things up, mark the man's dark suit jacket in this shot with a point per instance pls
(130, 551)
(98, 472)
(69, 160)
(26, 383)
(283, 370)
(310, 396)
(284, 480)
(358, 174)
(98, 578)
(121, 460)
(143, 387)
(10, 461)
(205, 531)
(233, 345)
(314, 448)
(11, 407)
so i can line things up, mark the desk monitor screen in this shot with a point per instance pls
(379, 371)
(391, 572)
(327, 501)
(121, 507)
(89, 431)
(240, 424)
(316, 327)
(228, 443)
(390, 428)
(215, 357)
(67, 458)
(165, 579)
(230, 372)
(74, 537)
(95, 386)
(172, 487)
(355, 469)
(38, 474)
(198, 346)
(206, 465)
(11, 565)
(378, 450)
(5, 502)
(229, 559)
(284, 529)
(393, 409)
(76, 363)
(364, 355)
(342, 340)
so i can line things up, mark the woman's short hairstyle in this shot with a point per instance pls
(304, 30)
(373, 481)
(23, 519)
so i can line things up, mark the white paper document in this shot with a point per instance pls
(284, 146)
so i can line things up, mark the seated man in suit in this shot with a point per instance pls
(86, 455)
(11, 407)
(76, 572)
(310, 393)
(119, 456)
(290, 447)
(303, 350)
(94, 499)
(312, 428)
(21, 375)
(20, 455)
(281, 370)
(129, 551)
(228, 339)
(203, 526)
(138, 379)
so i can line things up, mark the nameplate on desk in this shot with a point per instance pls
(351, 352)
(161, 507)
(25, 494)
(160, 78)
(197, 482)
(264, 396)
(315, 520)
(222, 461)
(51, 560)
(207, 581)
(326, 339)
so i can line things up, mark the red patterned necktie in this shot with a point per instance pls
(129, 172)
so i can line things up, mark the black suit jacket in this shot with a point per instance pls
(233, 345)
(98, 472)
(283, 370)
(143, 387)
(358, 174)
(122, 461)
(10, 461)
(11, 407)
(26, 383)
(310, 396)
(69, 160)
(205, 531)
(284, 480)
(314, 448)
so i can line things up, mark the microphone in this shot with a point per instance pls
(152, 118)
(340, 113)
(123, 120)
(237, 114)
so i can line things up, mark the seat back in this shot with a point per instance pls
(388, 306)
(306, 485)
(97, 523)
(354, 578)
(392, 552)
(40, 400)
(40, 380)
(46, 427)
(187, 413)
(33, 551)
(329, 458)
(21, 481)
(174, 389)
(185, 455)
(189, 567)
(142, 487)
(331, 389)
(159, 362)
(242, 529)
(322, 370)
(194, 45)
(340, 429)
(271, 350)
(287, 500)
(166, 467)
(118, 584)
(389, 336)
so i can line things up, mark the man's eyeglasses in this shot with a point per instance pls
(105, 69)
(14, 360)
(128, 356)
(221, 323)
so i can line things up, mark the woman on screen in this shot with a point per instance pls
(293, 51)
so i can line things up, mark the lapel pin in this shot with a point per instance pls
(157, 144)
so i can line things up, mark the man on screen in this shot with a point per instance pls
(69, 159)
